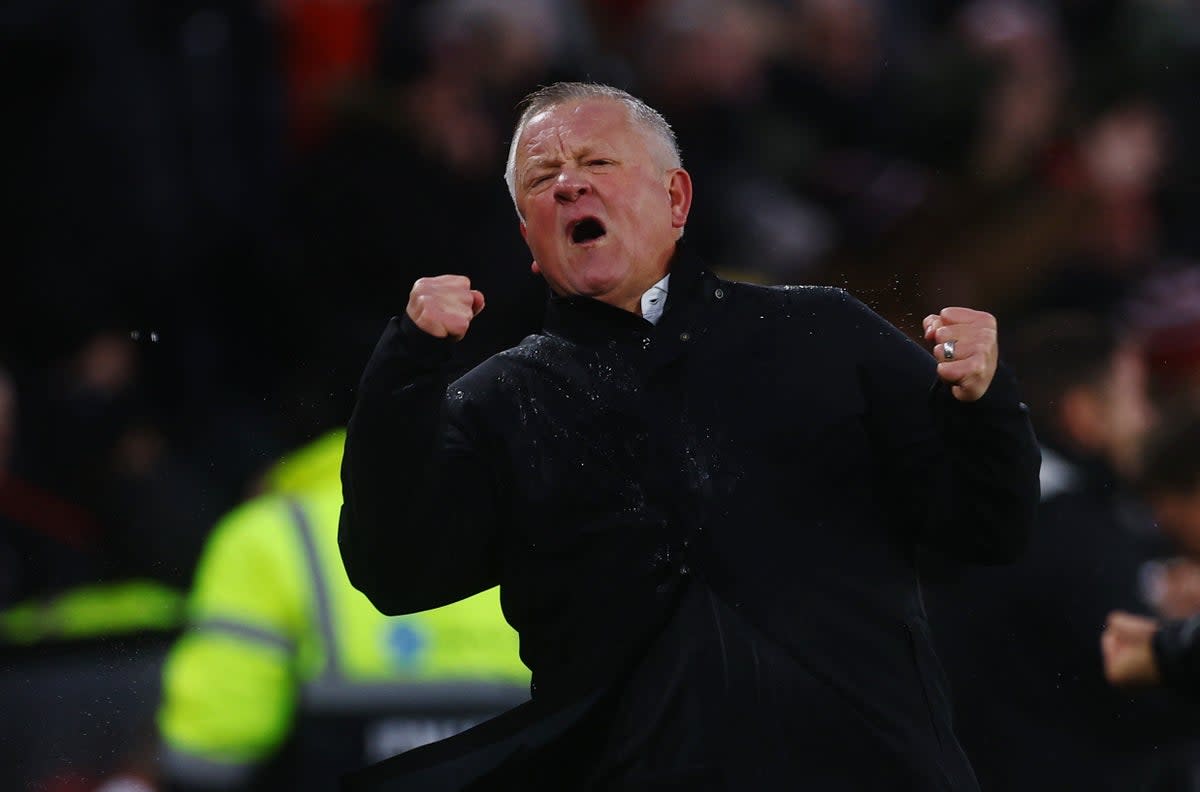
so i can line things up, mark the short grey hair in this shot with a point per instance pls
(561, 93)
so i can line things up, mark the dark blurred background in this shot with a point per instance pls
(211, 207)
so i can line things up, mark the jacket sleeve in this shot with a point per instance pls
(1177, 654)
(963, 475)
(418, 515)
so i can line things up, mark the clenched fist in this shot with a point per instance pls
(966, 350)
(1128, 648)
(444, 306)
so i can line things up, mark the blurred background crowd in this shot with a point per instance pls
(211, 208)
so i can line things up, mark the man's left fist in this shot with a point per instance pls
(965, 348)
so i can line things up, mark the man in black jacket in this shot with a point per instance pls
(703, 519)
(1139, 651)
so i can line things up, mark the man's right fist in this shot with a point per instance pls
(444, 306)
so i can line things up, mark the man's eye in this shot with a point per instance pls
(536, 180)
(599, 162)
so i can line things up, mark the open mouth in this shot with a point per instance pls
(589, 229)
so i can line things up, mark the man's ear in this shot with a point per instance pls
(537, 270)
(680, 191)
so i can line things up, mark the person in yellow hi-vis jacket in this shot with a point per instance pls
(287, 677)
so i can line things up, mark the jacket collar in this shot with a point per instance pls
(588, 321)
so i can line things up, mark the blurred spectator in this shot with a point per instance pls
(979, 221)
(1171, 479)
(1165, 310)
(34, 527)
(1032, 706)
(79, 621)
(704, 64)
(1020, 114)
(8, 421)
(1113, 170)
(1140, 651)
(1086, 383)
(831, 128)
(408, 184)
(11, 561)
(141, 510)
(289, 678)
(47, 542)
(328, 46)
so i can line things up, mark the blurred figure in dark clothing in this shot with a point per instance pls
(371, 201)
(145, 199)
(326, 45)
(1139, 651)
(832, 126)
(1112, 172)
(1032, 706)
(1166, 313)
(127, 506)
(982, 114)
(47, 542)
(8, 420)
(704, 63)
(1170, 479)
(16, 557)
(829, 77)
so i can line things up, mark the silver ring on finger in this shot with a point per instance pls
(948, 349)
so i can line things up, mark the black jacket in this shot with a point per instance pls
(704, 531)
(1177, 654)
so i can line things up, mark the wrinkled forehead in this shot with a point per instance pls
(559, 130)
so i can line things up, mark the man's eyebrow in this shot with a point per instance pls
(552, 161)
(542, 162)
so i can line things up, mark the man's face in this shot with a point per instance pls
(602, 207)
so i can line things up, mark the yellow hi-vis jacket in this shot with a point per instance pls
(277, 634)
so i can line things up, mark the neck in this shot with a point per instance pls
(631, 299)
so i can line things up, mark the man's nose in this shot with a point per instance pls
(570, 186)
